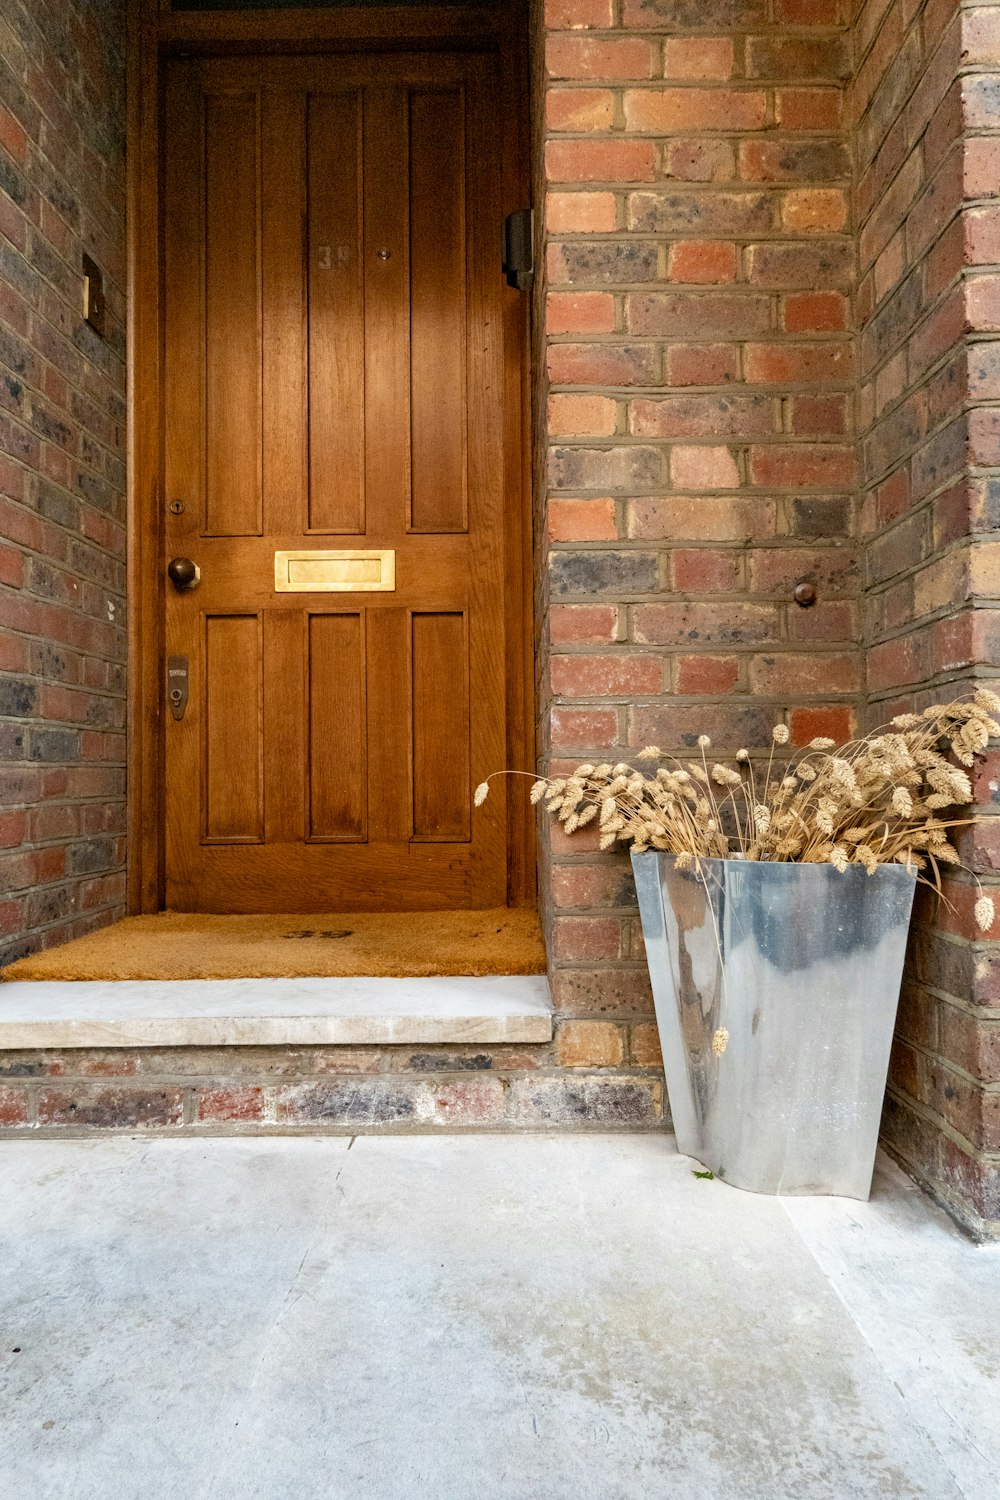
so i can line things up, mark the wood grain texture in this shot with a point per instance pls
(442, 794)
(338, 738)
(232, 753)
(286, 699)
(437, 310)
(336, 314)
(232, 316)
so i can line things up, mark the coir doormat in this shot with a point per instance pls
(175, 945)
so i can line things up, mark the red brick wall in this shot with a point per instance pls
(62, 426)
(699, 454)
(926, 107)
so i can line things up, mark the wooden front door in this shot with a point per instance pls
(334, 383)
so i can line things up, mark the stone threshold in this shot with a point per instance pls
(274, 1012)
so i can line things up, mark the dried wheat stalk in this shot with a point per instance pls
(876, 800)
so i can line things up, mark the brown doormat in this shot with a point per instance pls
(174, 945)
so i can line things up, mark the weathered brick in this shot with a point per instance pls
(702, 261)
(705, 213)
(581, 520)
(605, 676)
(580, 213)
(589, 1044)
(569, 56)
(818, 466)
(688, 624)
(579, 312)
(729, 416)
(702, 364)
(689, 15)
(602, 364)
(608, 1102)
(599, 161)
(700, 160)
(706, 674)
(583, 728)
(602, 263)
(794, 266)
(794, 160)
(230, 1104)
(661, 111)
(703, 315)
(809, 108)
(13, 1106)
(700, 570)
(703, 468)
(92, 1107)
(607, 884)
(708, 518)
(582, 624)
(627, 467)
(578, 14)
(579, 109)
(816, 364)
(587, 416)
(781, 57)
(588, 574)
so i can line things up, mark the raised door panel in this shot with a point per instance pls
(336, 392)
(442, 804)
(232, 750)
(438, 234)
(232, 303)
(338, 739)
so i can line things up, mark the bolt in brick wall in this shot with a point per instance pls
(62, 429)
(697, 447)
(926, 111)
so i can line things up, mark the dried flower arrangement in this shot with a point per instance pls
(873, 801)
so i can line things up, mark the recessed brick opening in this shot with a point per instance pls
(766, 318)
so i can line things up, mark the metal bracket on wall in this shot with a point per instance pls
(519, 249)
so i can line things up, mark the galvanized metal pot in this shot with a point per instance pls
(801, 965)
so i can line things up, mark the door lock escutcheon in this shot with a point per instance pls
(177, 685)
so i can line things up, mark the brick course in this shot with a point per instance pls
(62, 450)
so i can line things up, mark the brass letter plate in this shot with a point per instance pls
(345, 572)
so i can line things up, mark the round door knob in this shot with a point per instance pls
(183, 573)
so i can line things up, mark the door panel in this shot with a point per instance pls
(232, 317)
(338, 739)
(336, 314)
(442, 804)
(437, 310)
(232, 752)
(334, 379)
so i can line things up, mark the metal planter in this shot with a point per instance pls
(802, 966)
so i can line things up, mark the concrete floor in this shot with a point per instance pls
(532, 1318)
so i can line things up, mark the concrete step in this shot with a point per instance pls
(274, 1012)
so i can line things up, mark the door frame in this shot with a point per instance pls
(154, 34)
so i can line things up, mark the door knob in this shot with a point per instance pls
(183, 574)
